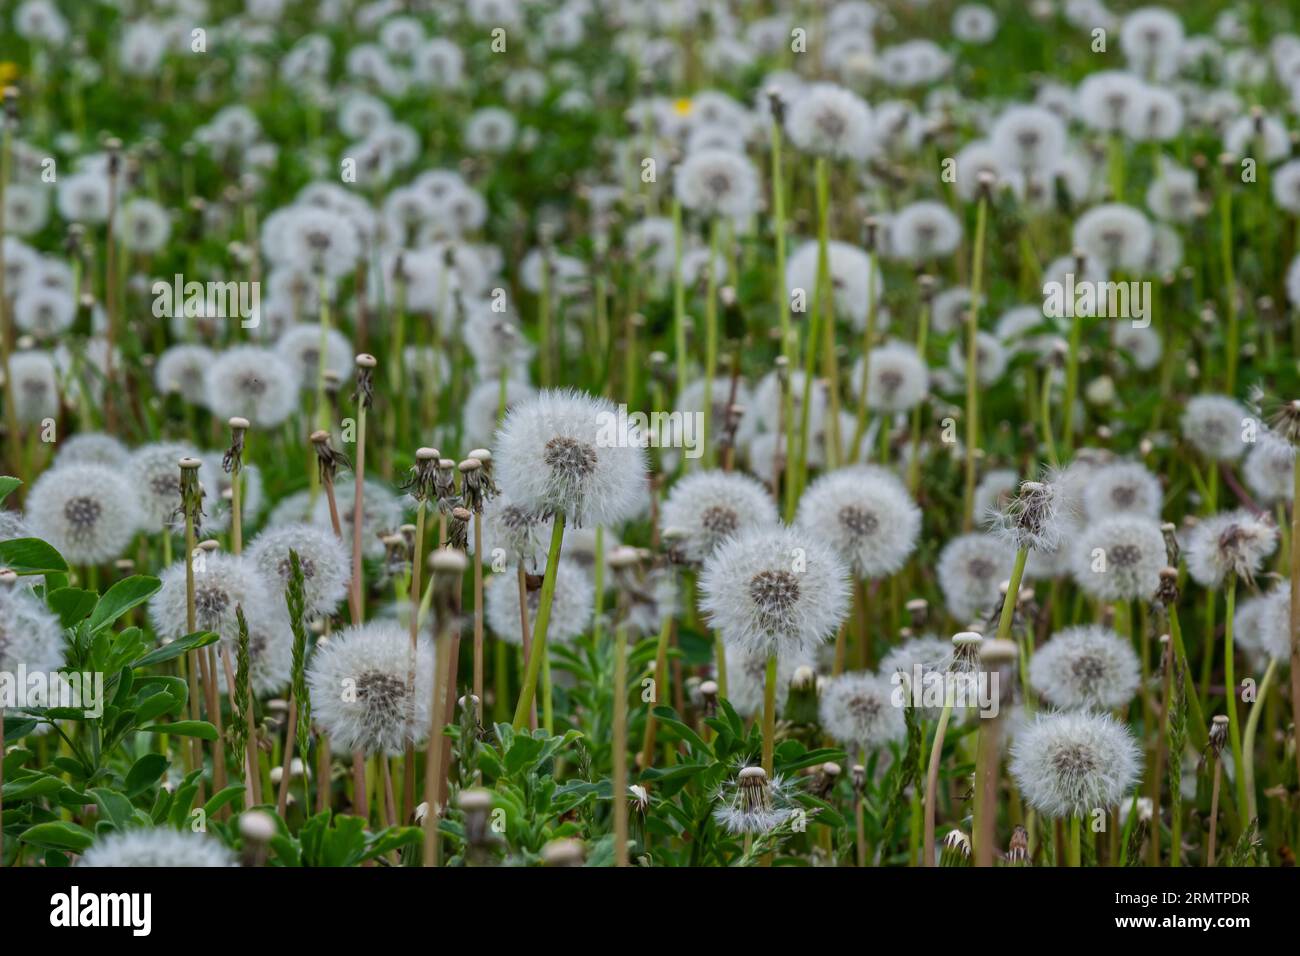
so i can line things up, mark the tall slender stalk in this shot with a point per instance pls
(972, 358)
(618, 778)
(529, 690)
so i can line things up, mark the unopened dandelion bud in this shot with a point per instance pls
(708, 696)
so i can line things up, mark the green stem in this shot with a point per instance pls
(529, 689)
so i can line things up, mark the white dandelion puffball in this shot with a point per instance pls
(221, 582)
(484, 403)
(926, 658)
(156, 847)
(974, 23)
(1088, 667)
(381, 513)
(361, 692)
(898, 380)
(1068, 764)
(252, 382)
(1029, 138)
(1151, 39)
(512, 534)
(858, 711)
(747, 679)
(44, 311)
(828, 120)
(568, 453)
(775, 591)
(1035, 516)
(35, 387)
(30, 636)
(1116, 235)
(923, 231)
(1214, 425)
(180, 371)
(706, 508)
(1119, 558)
(1269, 469)
(91, 448)
(1275, 624)
(155, 474)
(971, 568)
(717, 182)
(325, 562)
(1123, 487)
(300, 347)
(88, 513)
(1232, 542)
(142, 225)
(571, 605)
(865, 515)
(850, 276)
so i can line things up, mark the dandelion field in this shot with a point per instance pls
(701, 433)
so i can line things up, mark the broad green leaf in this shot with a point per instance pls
(233, 792)
(31, 787)
(146, 771)
(71, 604)
(113, 807)
(30, 556)
(178, 647)
(122, 597)
(58, 835)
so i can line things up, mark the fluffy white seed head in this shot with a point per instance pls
(571, 605)
(156, 847)
(971, 566)
(828, 120)
(29, 634)
(361, 691)
(571, 453)
(858, 711)
(325, 562)
(155, 476)
(775, 591)
(1088, 667)
(254, 383)
(89, 513)
(864, 513)
(1069, 763)
(747, 679)
(1233, 542)
(899, 378)
(1121, 488)
(1214, 424)
(1119, 558)
(708, 507)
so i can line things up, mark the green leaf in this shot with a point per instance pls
(145, 773)
(122, 597)
(58, 835)
(523, 751)
(30, 556)
(184, 728)
(177, 648)
(71, 604)
(233, 792)
(17, 727)
(32, 787)
(7, 486)
(113, 807)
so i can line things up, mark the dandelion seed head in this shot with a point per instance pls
(865, 515)
(89, 513)
(858, 711)
(1088, 667)
(1070, 763)
(156, 847)
(709, 507)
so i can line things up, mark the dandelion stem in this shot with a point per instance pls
(1248, 740)
(769, 716)
(932, 774)
(618, 782)
(529, 690)
(972, 360)
(1230, 693)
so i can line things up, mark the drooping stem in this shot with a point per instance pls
(932, 775)
(1248, 739)
(529, 689)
